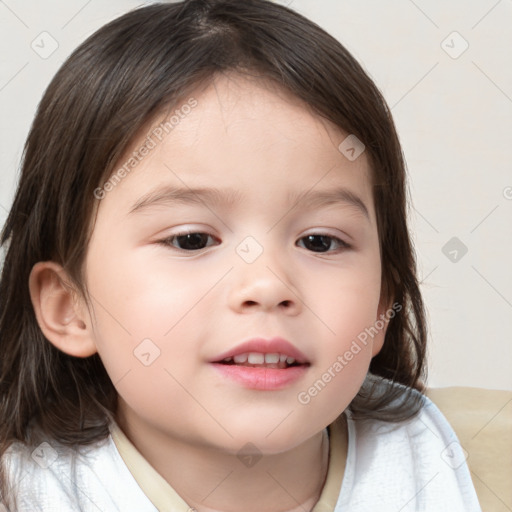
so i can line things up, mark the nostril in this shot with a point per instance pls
(251, 303)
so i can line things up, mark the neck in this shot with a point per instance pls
(210, 480)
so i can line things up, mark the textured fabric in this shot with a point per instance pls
(417, 465)
(482, 419)
(54, 479)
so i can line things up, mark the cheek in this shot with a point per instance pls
(346, 307)
(143, 322)
(346, 299)
(149, 323)
(146, 301)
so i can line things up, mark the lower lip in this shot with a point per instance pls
(266, 379)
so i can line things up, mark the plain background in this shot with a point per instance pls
(445, 71)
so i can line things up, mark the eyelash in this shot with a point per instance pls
(167, 242)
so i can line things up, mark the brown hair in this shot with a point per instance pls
(111, 86)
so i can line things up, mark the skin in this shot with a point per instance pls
(187, 420)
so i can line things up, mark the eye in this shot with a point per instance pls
(196, 241)
(188, 241)
(322, 243)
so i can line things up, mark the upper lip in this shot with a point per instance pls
(265, 346)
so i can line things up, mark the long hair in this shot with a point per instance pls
(113, 84)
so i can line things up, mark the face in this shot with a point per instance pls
(179, 280)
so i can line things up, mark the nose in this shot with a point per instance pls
(263, 285)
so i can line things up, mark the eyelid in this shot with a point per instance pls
(340, 235)
(167, 241)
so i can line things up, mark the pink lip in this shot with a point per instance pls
(264, 346)
(260, 378)
(265, 379)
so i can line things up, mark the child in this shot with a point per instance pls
(209, 299)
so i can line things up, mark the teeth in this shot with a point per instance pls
(260, 358)
(271, 358)
(256, 358)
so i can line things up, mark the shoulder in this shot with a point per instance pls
(52, 477)
(416, 464)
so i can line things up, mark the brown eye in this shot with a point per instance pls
(323, 243)
(188, 241)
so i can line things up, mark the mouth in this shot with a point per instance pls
(263, 364)
(275, 361)
(260, 352)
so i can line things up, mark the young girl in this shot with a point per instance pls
(209, 299)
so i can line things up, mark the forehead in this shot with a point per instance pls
(242, 132)
(243, 103)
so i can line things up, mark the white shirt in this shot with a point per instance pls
(417, 465)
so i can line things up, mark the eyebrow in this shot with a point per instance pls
(213, 197)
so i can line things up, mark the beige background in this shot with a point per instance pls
(453, 109)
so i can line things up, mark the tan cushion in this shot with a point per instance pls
(482, 420)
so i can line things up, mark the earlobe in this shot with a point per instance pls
(61, 317)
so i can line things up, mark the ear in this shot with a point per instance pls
(60, 313)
